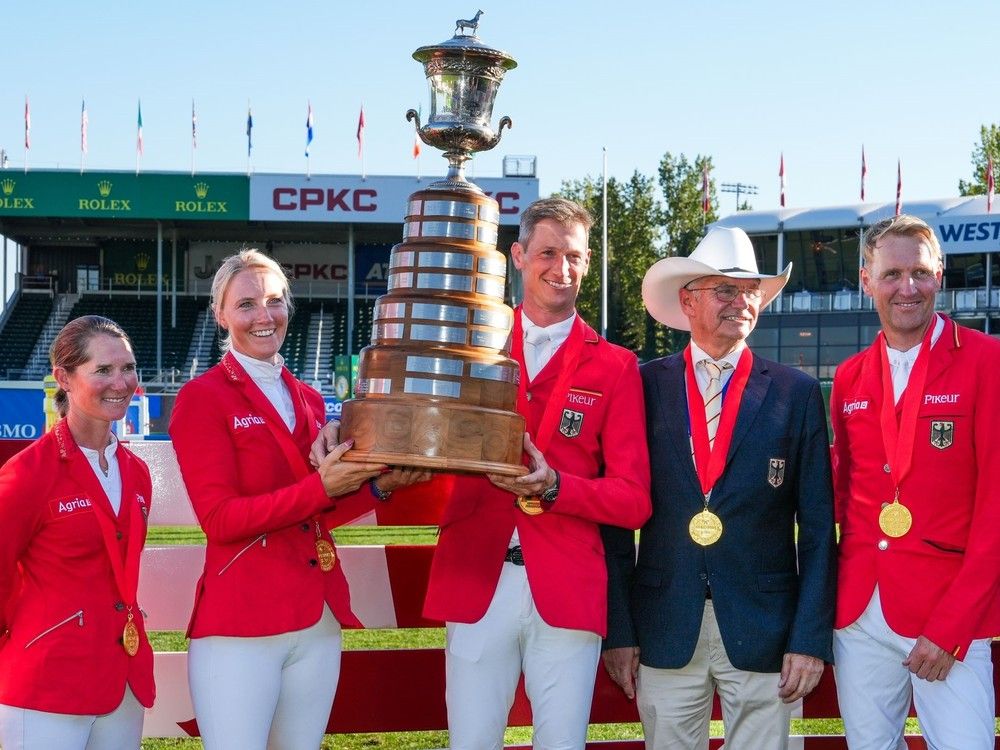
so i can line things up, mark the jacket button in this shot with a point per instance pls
(313, 563)
(886, 469)
(304, 527)
(528, 395)
(883, 545)
(119, 606)
(118, 534)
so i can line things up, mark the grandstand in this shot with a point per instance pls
(142, 249)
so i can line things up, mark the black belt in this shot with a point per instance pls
(514, 555)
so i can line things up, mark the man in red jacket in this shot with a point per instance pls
(519, 573)
(915, 481)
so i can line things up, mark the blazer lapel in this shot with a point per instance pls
(753, 400)
(943, 352)
(671, 396)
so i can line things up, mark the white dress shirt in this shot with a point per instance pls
(267, 377)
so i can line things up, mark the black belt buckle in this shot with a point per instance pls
(514, 555)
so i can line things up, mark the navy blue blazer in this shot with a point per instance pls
(773, 589)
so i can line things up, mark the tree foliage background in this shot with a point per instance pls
(988, 146)
(644, 225)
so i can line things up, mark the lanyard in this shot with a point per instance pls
(898, 437)
(710, 462)
(572, 350)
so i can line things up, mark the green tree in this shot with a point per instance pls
(684, 221)
(988, 146)
(634, 220)
(681, 185)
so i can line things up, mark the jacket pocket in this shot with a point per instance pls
(646, 576)
(263, 543)
(945, 547)
(773, 582)
(78, 616)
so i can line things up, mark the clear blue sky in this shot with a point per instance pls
(741, 81)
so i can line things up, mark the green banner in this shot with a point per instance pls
(123, 195)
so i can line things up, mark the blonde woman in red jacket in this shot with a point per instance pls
(264, 658)
(76, 668)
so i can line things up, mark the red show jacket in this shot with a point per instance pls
(61, 613)
(604, 473)
(942, 578)
(256, 502)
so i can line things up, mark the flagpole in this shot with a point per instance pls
(27, 132)
(83, 133)
(249, 136)
(604, 245)
(194, 137)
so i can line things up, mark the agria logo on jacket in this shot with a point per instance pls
(248, 421)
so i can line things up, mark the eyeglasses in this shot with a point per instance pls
(729, 292)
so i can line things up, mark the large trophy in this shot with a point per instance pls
(436, 388)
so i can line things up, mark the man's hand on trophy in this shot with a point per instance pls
(327, 439)
(340, 477)
(541, 478)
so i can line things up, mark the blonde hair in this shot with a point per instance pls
(903, 225)
(561, 210)
(245, 259)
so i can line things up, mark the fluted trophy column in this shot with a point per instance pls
(436, 387)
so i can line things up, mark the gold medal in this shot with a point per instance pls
(327, 556)
(530, 505)
(130, 637)
(895, 519)
(705, 528)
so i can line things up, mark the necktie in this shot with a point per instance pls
(536, 350)
(713, 397)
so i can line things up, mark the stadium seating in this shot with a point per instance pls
(21, 331)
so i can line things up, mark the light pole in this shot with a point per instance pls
(738, 187)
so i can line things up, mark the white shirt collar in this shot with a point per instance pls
(558, 332)
(259, 371)
(908, 357)
(698, 354)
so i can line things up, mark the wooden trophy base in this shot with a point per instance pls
(440, 436)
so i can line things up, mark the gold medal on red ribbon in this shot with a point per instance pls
(895, 519)
(530, 505)
(326, 555)
(130, 637)
(705, 528)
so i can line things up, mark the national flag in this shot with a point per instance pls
(309, 126)
(84, 122)
(27, 124)
(781, 174)
(989, 185)
(138, 127)
(706, 198)
(194, 127)
(361, 131)
(864, 172)
(899, 188)
(249, 130)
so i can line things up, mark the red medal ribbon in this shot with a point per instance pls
(572, 350)
(898, 437)
(126, 571)
(710, 463)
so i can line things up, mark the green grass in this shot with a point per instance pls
(346, 535)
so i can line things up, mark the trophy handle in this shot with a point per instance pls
(413, 116)
(505, 122)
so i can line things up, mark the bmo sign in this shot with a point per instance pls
(350, 199)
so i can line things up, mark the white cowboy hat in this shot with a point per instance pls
(722, 252)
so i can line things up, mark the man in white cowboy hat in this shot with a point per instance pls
(725, 596)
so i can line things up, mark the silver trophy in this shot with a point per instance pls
(437, 387)
(464, 75)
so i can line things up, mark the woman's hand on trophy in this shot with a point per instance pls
(401, 476)
(340, 477)
(541, 478)
(327, 439)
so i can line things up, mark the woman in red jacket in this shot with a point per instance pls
(264, 658)
(76, 668)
